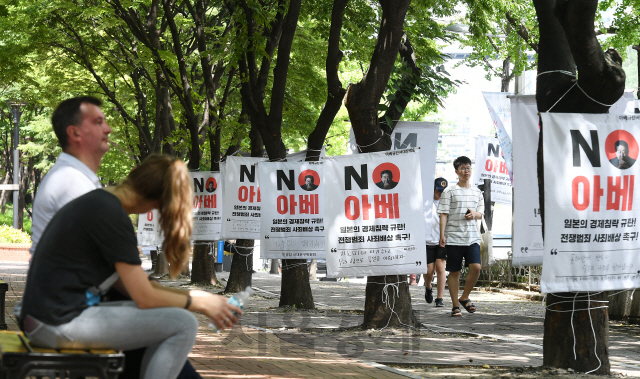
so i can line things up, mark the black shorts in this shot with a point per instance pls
(435, 252)
(471, 254)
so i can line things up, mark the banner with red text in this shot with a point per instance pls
(149, 229)
(500, 111)
(527, 222)
(291, 223)
(490, 164)
(376, 199)
(207, 206)
(241, 196)
(418, 135)
(591, 240)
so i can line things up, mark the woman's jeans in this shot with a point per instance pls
(168, 333)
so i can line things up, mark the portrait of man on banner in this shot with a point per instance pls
(309, 180)
(621, 149)
(383, 176)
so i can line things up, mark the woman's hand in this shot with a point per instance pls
(215, 307)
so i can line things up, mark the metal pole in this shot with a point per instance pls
(16, 166)
(16, 108)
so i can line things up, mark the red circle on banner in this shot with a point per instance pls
(621, 135)
(150, 216)
(387, 166)
(208, 185)
(303, 176)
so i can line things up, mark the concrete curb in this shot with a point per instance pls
(535, 296)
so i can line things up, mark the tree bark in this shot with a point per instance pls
(567, 41)
(202, 271)
(398, 313)
(294, 271)
(559, 339)
(241, 267)
(620, 306)
(362, 101)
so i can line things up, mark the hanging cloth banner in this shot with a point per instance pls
(500, 112)
(207, 207)
(590, 183)
(241, 196)
(149, 229)
(420, 135)
(527, 222)
(291, 223)
(490, 164)
(371, 227)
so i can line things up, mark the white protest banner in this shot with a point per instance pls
(591, 229)
(371, 226)
(241, 197)
(500, 112)
(207, 207)
(149, 229)
(291, 224)
(527, 223)
(421, 135)
(490, 164)
(424, 136)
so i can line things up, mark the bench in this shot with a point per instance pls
(20, 358)
(4, 287)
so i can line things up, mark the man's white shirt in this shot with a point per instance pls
(68, 179)
(433, 236)
(455, 201)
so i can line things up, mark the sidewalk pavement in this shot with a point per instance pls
(272, 342)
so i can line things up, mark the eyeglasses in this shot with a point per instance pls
(464, 168)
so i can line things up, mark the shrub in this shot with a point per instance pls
(11, 235)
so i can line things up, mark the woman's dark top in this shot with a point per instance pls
(78, 250)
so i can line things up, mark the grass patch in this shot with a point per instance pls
(6, 218)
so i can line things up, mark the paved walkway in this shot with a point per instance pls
(275, 343)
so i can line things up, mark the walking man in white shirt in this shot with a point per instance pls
(436, 254)
(461, 205)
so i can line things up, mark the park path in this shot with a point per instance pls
(506, 331)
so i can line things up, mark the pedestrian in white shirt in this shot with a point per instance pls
(436, 254)
(461, 205)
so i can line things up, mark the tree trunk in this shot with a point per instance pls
(241, 267)
(620, 306)
(362, 101)
(5, 194)
(202, 271)
(313, 268)
(567, 41)
(274, 268)
(299, 296)
(398, 313)
(559, 340)
(162, 268)
(634, 313)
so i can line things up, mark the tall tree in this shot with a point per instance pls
(362, 101)
(568, 41)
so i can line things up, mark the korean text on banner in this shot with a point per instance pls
(376, 199)
(149, 229)
(490, 164)
(241, 197)
(500, 112)
(207, 207)
(527, 222)
(591, 230)
(421, 135)
(291, 223)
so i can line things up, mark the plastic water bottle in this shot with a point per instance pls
(239, 300)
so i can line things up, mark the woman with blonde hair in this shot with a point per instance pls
(90, 240)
